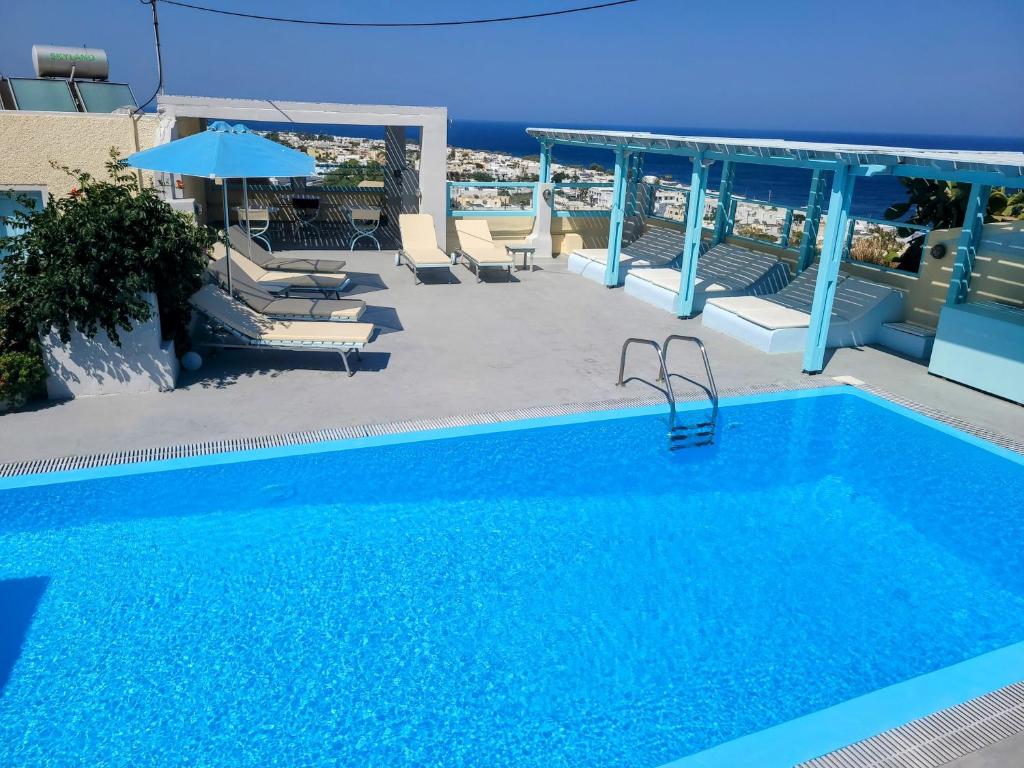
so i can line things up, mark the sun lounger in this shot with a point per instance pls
(255, 252)
(780, 322)
(724, 270)
(656, 247)
(281, 282)
(242, 327)
(286, 308)
(477, 247)
(419, 245)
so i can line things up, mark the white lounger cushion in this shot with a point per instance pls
(668, 278)
(779, 323)
(600, 255)
(724, 269)
(419, 241)
(762, 312)
(476, 242)
(244, 321)
(656, 247)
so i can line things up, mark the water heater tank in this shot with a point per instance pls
(61, 61)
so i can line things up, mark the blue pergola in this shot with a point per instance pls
(982, 170)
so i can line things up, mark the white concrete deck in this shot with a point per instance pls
(547, 337)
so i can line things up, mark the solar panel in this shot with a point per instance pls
(104, 97)
(42, 95)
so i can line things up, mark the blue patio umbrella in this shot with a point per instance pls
(224, 152)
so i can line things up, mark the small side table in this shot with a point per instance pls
(365, 221)
(526, 250)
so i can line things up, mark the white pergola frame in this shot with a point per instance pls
(432, 122)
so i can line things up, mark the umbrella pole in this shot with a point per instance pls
(227, 241)
(245, 204)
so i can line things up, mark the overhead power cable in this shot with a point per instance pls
(399, 24)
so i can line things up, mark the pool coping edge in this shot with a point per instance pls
(184, 455)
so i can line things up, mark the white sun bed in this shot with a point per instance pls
(724, 270)
(239, 326)
(256, 253)
(656, 247)
(780, 322)
(286, 308)
(419, 245)
(477, 247)
(282, 282)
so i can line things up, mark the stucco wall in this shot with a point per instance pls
(30, 140)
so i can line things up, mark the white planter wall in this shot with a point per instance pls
(85, 367)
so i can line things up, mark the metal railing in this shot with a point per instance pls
(712, 388)
(778, 233)
(680, 435)
(595, 212)
(662, 376)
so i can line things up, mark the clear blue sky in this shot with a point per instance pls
(902, 66)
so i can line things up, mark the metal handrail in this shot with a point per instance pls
(663, 376)
(713, 391)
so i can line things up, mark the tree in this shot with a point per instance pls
(83, 262)
(351, 172)
(559, 176)
(1015, 205)
(940, 204)
(597, 167)
(481, 176)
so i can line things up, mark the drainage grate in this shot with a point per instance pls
(187, 450)
(1004, 441)
(939, 738)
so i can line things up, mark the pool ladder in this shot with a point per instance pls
(685, 435)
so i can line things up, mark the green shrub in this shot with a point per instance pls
(22, 376)
(82, 261)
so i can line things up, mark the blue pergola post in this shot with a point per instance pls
(967, 245)
(638, 208)
(544, 172)
(787, 228)
(828, 268)
(694, 226)
(633, 183)
(616, 218)
(724, 210)
(809, 240)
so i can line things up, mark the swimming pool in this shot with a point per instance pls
(563, 592)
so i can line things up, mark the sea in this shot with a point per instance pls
(784, 186)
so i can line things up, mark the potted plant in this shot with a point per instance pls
(99, 282)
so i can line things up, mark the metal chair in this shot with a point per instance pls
(365, 222)
(307, 212)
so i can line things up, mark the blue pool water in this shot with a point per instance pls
(569, 595)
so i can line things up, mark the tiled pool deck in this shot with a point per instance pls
(546, 343)
(547, 338)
